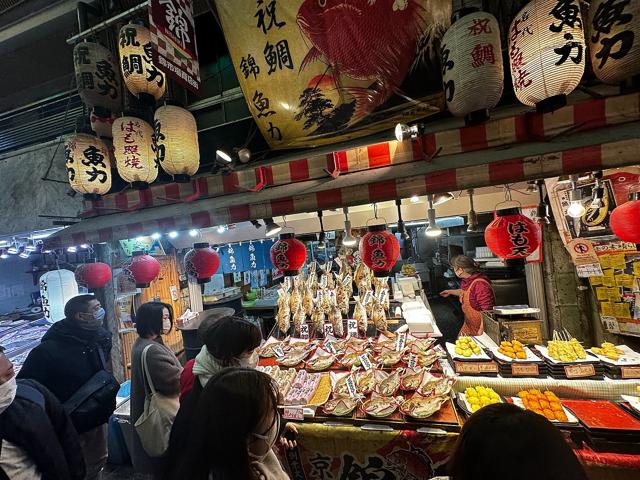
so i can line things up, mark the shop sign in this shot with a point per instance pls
(475, 368)
(327, 328)
(366, 362)
(351, 386)
(293, 413)
(525, 370)
(352, 327)
(278, 352)
(630, 372)
(579, 371)
(304, 331)
(413, 361)
(585, 258)
(401, 341)
(173, 38)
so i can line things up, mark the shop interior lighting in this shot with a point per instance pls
(4, 254)
(156, 236)
(440, 198)
(598, 191)
(433, 230)
(576, 207)
(402, 230)
(223, 156)
(531, 187)
(173, 234)
(4, 243)
(72, 249)
(13, 250)
(84, 246)
(30, 248)
(256, 223)
(414, 199)
(193, 232)
(472, 216)
(244, 155)
(322, 236)
(348, 240)
(22, 252)
(271, 227)
(221, 229)
(542, 212)
(405, 132)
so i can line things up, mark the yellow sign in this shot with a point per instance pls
(625, 280)
(607, 309)
(317, 72)
(636, 269)
(621, 310)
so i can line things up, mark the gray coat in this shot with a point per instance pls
(165, 370)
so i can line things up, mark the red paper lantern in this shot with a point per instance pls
(288, 254)
(625, 219)
(512, 235)
(93, 275)
(202, 262)
(379, 250)
(144, 269)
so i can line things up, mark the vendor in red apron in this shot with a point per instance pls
(475, 292)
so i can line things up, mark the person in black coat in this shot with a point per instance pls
(37, 438)
(71, 352)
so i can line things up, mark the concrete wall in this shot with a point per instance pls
(24, 195)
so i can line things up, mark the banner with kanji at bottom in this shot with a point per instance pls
(350, 453)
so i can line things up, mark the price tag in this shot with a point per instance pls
(630, 372)
(277, 350)
(304, 331)
(366, 363)
(293, 413)
(310, 279)
(579, 371)
(401, 341)
(351, 386)
(327, 328)
(323, 281)
(384, 295)
(367, 297)
(327, 267)
(525, 370)
(312, 268)
(610, 324)
(413, 361)
(347, 280)
(338, 262)
(476, 368)
(330, 346)
(352, 327)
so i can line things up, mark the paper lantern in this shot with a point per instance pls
(57, 287)
(140, 75)
(202, 262)
(176, 142)
(546, 52)
(97, 76)
(133, 149)
(93, 275)
(614, 42)
(512, 235)
(144, 269)
(379, 250)
(102, 122)
(88, 164)
(288, 254)
(625, 219)
(472, 73)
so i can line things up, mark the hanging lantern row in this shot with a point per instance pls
(176, 142)
(97, 77)
(379, 250)
(288, 254)
(93, 275)
(133, 149)
(140, 75)
(202, 262)
(512, 235)
(88, 164)
(143, 268)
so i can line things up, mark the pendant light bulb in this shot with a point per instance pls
(576, 208)
(472, 216)
(432, 230)
(271, 227)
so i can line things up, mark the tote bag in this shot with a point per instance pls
(154, 425)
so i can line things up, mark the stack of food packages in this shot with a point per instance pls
(381, 376)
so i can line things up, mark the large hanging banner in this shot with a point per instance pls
(315, 72)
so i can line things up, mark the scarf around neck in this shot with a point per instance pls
(205, 366)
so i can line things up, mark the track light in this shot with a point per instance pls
(72, 249)
(271, 227)
(472, 216)
(348, 240)
(401, 227)
(576, 208)
(542, 212)
(256, 223)
(173, 234)
(440, 198)
(30, 248)
(405, 132)
(155, 236)
(244, 155)
(193, 232)
(223, 156)
(432, 230)
(85, 246)
(597, 196)
(414, 199)
(4, 254)
(222, 228)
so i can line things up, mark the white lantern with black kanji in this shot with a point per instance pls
(97, 76)
(88, 164)
(140, 75)
(133, 149)
(614, 42)
(472, 72)
(176, 142)
(57, 287)
(547, 52)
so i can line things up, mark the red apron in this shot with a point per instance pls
(473, 325)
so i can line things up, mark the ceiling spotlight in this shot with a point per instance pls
(13, 250)
(542, 211)
(4, 254)
(72, 249)
(156, 236)
(433, 230)
(472, 216)
(597, 195)
(221, 229)
(30, 248)
(244, 155)
(348, 240)
(576, 208)
(271, 227)
(22, 253)
(401, 228)
(440, 198)
(223, 156)
(414, 199)
(173, 234)
(531, 187)
(84, 246)
(193, 233)
(256, 223)
(405, 132)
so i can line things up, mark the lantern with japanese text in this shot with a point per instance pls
(133, 149)
(57, 287)
(93, 275)
(102, 122)
(88, 164)
(472, 73)
(97, 76)
(176, 142)
(625, 219)
(615, 39)
(202, 262)
(512, 235)
(143, 268)
(379, 249)
(547, 52)
(288, 254)
(140, 75)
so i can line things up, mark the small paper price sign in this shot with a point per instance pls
(293, 413)
(330, 346)
(413, 361)
(346, 280)
(401, 341)
(338, 262)
(351, 386)
(367, 297)
(278, 352)
(352, 327)
(366, 363)
(328, 329)
(323, 281)
(304, 331)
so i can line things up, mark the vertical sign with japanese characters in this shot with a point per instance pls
(311, 76)
(173, 36)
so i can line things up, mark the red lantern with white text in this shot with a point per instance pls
(144, 269)
(93, 275)
(625, 219)
(379, 250)
(288, 254)
(512, 235)
(202, 262)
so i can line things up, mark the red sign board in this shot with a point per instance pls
(173, 37)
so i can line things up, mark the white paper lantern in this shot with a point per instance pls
(57, 287)
(133, 149)
(140, 75)
(176, 142)
(472, 72)
(615, 39)
(97, 76)
(88, 164)
(546, 52)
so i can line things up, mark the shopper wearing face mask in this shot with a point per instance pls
(37, 439)
(72, 361)
(153, 319)
(233, 432)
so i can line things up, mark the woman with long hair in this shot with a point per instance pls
(235, 426)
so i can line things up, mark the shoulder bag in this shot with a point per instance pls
(154, 425)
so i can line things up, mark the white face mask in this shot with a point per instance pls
(7, 393)
(249, 362)
(166, 325)
(269, 439)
